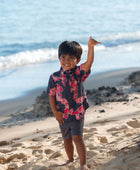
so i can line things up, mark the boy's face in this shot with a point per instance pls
(68, 61)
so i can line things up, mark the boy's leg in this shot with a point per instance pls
(68, 145)
(81, 149)
(69, 148)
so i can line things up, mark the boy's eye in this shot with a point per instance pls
(70, 58)
(63, 57)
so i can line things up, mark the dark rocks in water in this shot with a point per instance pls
(134, 79)
(42, 106)
(95, 96)
(106, 94)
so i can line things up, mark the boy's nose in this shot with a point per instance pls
(67, 59)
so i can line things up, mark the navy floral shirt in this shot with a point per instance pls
(68, 88)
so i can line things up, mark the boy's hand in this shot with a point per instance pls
(93, 42)
(59, 117)
(90, 57)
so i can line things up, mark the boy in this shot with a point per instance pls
(67, 96)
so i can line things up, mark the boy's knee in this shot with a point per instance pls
(67, 140)
(77, 138)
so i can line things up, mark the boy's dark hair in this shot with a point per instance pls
(70, 48)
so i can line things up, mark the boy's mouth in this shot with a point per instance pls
(67, 65)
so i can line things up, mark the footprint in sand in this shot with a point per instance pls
(2, 143)
(90, 154)
(55, 155)
(16, 156)
(87, 136)
(34, 147)
(37, 152)
(103, 139)
(87, 130)
(5, 150)
(17, 145)
(37, 139)
(49, 151)
(56, 142)
(134, 123)
(4, 159)
(123, 127)
(13, 166)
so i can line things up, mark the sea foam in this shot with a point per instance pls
(125, 41)
(28, 57)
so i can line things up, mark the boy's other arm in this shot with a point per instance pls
(58, 115)
(90, 57)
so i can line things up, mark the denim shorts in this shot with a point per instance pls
(71, 128)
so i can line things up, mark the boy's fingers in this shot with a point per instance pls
(61, 121)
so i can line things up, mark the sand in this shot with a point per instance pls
(111, 132)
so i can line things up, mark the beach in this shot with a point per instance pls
(31, 32)
(111, 131)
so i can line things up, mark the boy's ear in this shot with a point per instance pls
(78, 60)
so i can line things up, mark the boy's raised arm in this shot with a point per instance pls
(90, 57)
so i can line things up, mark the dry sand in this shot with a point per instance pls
(112, 137)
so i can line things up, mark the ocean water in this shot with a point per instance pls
(31, 31)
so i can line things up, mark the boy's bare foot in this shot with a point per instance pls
(66, 163)
(84, 167)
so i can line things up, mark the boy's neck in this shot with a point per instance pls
(70, 70)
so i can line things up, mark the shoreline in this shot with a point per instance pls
(109, 78)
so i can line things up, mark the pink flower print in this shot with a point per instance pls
(77, 116)
(82, 67)
(52, 91)
(80, 99)
(65, 102)
(64, 75)
(71, 111)
(81, 109)
(59, 88)
(75, 96)
(72, 77)
(55, 78)
(59, 98)
(63, 82)
(84, 78)
(74, 113)
(63, 78)
(77, 71)
(60, 95)
(73, 84)
(65, 116)
(66, 111)
(74, 87)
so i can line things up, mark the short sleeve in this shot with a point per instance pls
(51, 89)
(84, 75)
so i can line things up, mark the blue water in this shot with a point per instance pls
(31, 31)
